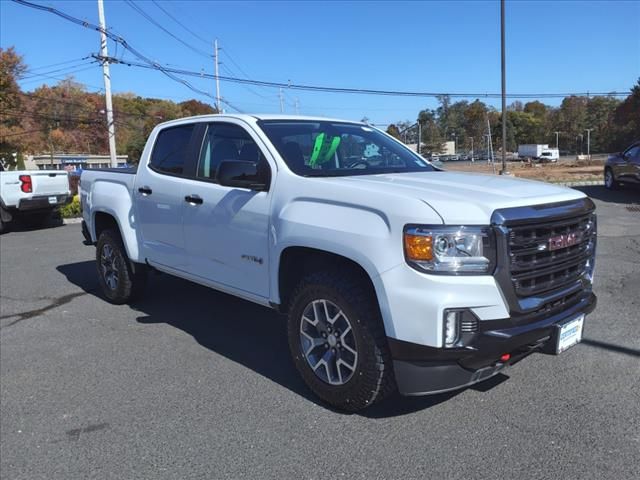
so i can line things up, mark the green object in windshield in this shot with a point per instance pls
(324, 148)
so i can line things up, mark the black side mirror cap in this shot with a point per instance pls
(241, 174)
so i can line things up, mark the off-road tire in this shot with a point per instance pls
(373, 378)
(130, 283)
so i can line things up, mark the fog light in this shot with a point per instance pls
(451, 327)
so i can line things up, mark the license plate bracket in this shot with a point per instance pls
(568, 333)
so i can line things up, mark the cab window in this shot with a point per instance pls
(225, 141)
(171, 149)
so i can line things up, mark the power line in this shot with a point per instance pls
(246, 87)
(180, 23)
(33, 79)
(18, 134)
(157, 24)
(55, 118)
(316, 88)
(115, 38)
(57, 64)
(30, 73)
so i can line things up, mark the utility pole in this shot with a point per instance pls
(297, 105)
(107, 85)
(281, 101)
(504, 93)
(557, 139)
(472, 150)
(419, 137)
(215, 59)
(588, 130)
(581, 138)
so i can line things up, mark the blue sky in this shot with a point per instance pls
(571, 46)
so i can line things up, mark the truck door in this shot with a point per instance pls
(226, 228)
(158, 196)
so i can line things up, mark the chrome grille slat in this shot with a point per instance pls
(524, 265)
(529, 237)
(535, 268)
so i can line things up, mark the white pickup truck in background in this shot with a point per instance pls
(392, 272)
(32, 194)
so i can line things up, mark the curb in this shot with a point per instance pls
(580, 184)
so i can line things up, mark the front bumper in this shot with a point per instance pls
(43, 202)
(423, 370)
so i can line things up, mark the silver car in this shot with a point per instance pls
(623, 167)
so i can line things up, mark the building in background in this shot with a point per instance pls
(71, 161)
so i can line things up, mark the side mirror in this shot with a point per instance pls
(241, 174)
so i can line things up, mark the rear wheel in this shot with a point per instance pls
(337, 340)
(609, 180)
(119, 280)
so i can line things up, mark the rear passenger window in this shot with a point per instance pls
(170, 150)
(225, 141)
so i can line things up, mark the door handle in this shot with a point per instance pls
(193, 199)
(145, 190)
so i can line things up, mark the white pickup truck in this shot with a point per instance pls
(392, 273)
(33, 194)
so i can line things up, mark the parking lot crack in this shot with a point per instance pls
(39, 311)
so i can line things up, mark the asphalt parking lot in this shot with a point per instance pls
(190, 383)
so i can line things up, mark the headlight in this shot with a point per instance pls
(452, 250)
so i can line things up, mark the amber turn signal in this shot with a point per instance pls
(418, 247)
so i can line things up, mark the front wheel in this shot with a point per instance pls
(337, 341)
(119, 281)
(609, 180)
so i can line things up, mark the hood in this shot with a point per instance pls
(464, 198)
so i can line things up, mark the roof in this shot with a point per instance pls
(250, 118)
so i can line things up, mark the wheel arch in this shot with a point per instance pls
(297, 261)
(104, 220)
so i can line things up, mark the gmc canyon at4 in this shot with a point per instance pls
(393, 274)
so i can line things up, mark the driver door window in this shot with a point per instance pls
(224, 141)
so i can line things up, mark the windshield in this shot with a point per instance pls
(318, 148)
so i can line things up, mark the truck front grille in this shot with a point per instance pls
(545, 256)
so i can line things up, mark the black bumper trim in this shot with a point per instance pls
(42, 202)
(422, 370)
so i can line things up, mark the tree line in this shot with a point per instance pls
(614, 124)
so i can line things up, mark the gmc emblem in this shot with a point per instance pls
(563, 241)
